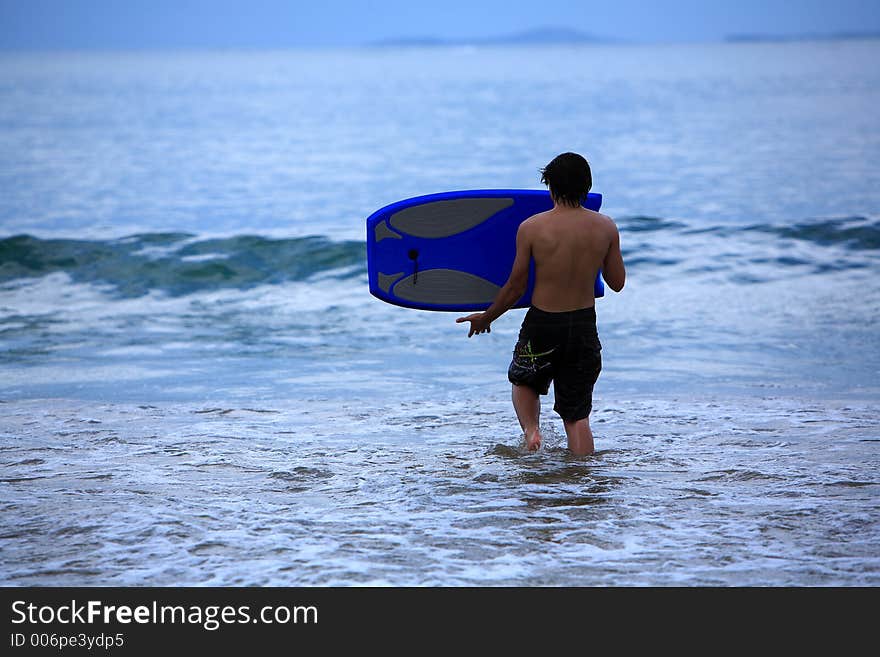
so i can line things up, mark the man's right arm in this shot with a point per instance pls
(613, 270)
(513, 289)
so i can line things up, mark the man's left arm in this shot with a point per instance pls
(513, 289)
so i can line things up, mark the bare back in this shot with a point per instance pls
(569, 246)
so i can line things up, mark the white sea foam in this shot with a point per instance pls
(320, 494)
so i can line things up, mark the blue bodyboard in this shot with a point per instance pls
(454, 250)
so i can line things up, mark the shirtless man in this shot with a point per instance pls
(558, 339)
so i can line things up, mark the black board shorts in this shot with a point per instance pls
(563, 348)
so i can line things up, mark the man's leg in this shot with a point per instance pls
(580, 438)
(527, 405)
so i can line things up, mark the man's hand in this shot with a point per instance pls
(479, 323)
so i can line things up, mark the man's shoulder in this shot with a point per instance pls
(531, 222)
(538, 216)
(599, 216)
(603, 220)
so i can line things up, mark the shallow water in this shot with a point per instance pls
(441, 495)
(197, 388)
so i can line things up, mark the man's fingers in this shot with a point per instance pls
(474, 320)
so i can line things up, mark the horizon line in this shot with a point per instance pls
(536, 38)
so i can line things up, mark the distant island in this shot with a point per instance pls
(567, 36)
(538, 36)
(784, 38)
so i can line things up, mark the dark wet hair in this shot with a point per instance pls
(569, 178)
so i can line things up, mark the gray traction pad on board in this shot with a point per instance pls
(382, 231)
(446, 286)
(386, 280)
(444, 218)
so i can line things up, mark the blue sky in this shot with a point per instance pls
(62, 24)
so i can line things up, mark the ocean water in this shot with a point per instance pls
(196, 387)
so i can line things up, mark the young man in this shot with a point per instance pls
(558, 340)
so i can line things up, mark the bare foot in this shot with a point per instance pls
(533, 442)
